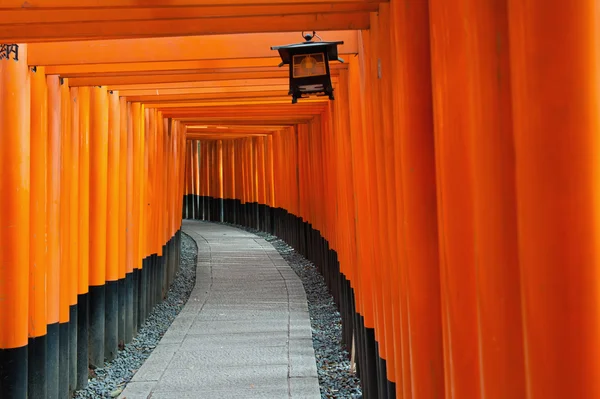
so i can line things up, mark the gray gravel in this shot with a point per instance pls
(333, 360)
(110, 380)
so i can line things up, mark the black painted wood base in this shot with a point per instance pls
(122, 293)
(97, 325)
(111, 320)
(72, 348)
(52, 360)
(142, 292)
(129, 314)
(83, 315)
(13, 372)
(135, 302)
(37, 363)
(63, 359)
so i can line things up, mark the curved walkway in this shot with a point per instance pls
(244, 333)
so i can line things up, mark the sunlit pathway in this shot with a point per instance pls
(244, 333)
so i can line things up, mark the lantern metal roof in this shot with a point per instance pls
(285, 51)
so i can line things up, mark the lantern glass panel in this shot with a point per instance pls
(307, 65)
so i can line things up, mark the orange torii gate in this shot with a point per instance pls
(448, 194)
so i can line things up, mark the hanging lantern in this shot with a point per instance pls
(309, 66)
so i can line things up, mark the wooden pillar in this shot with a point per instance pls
(66, 267)
(83, 296)
(38, 235)
(125, 282)
(111, 343)
(54, 231)
(415, 175)
(74, 281)
(555, 95)
(135, 153)
(14, 226)
(98, 221)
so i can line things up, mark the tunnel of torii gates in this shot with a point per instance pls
(449, 194)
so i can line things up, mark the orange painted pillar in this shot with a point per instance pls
(53, 222)
(195, 169)
(125, 267)
(138, 158)
(397, 365)
(83, 218)
(375, 341)
(66, 267)
(489, 274)
(144, 215)
(456, 187)
(38, 241)
(415, 175)
(111, 331)
(14, 225)
(346, 192)
(98, 221)
(487, 85)
(188, 212)
(133, 177)
(555, 95)
(219, 150)
(74, 282)
(364, 228)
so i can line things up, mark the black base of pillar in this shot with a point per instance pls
(381, 374)
(63, 360)
(52, 360)
(82, 340)
(97, 325)
(13, 372)
(135, 301)
(143, 297)
(372, 388)
(111, 320)
(36, 375)
(72, 348)
(150, 285)
(128, 307)
(163, 288)
(122, 293)
(391, 389)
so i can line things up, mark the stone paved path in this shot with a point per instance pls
(244, 332)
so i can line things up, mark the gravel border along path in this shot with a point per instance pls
(333, 360)
(110, 380)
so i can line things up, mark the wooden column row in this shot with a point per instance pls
(81, 171)
(448, 195)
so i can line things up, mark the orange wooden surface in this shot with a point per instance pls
(99, 134)
(124, 191)
(136, 177)
(166, 11)
(14, 200)
(38, 256)
(415, 177)
(68, 270)
(84, 189)
(53, 198)
(113, 187)
(172, 49)
(555, 98)
(76, 278)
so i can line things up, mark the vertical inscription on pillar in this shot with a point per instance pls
(8, 50)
